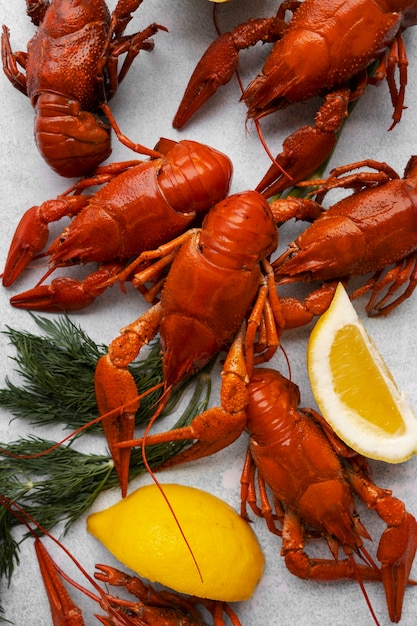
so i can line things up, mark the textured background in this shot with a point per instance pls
(144, 107)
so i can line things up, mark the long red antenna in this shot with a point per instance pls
(79, 430)
(162, 403)
(362, 586)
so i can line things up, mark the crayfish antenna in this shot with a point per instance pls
(58, 444)
(127, 444)
(81, 429)
(271, 156)
(136, 147)
(361, 585)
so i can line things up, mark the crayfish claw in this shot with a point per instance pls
(218, 64)
(307, 149)
(303, 153)
(215, 68)
(110, 575)
(63, 609)
(114, 387)
(63, 294)
(29, 239)
(396, 552)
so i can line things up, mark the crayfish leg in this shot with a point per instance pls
(136, 147)
(36, 10)
(303, 566)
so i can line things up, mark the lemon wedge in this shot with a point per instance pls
(354, 388)
(141, 532)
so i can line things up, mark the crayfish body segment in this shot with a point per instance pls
(140, 206)
(214, 282)
(71, 71)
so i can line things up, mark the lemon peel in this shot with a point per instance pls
(354, 389)
(141, 532)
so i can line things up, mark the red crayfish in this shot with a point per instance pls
(214, 282)
(71, 71)
(326, 50)
(140, 206)
(313, 477)
(148, 608)
(374, 230)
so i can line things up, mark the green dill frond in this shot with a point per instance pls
(62, 484)
(9, 547)
(57, 372)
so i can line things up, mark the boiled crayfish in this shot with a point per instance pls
(218, 277)
(325, 49)
(140, 206)
(71, 71)
(149, 607)
(313, 477)
(374, 230)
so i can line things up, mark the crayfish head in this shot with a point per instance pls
(187, 346)
(79, 242)
(329, 248)
(329, 504)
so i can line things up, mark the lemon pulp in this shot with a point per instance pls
(353, 367)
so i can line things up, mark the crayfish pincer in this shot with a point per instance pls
(215, 281)
(71, 71)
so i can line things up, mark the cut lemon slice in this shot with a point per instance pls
(354, 388)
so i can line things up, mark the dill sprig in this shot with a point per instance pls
(58, 376)
(63, 484)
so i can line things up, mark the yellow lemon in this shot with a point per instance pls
(354, 389)
(141, 532)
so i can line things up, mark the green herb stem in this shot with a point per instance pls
(57, 370)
